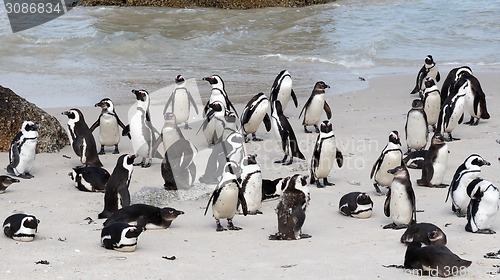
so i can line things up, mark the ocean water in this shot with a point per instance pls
(95, 52)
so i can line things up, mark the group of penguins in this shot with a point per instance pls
(240, 186)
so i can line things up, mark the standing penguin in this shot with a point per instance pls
(451, 79)
(181, 99)
(356, 204)
(6, 181)
(170, 132)
(429, 69)
(225, 198)
(251, 184)
(314, 106)
(452, 112)
(108, 122)
(416, 127)
(21, 227)
(324, 154)
(23, 150)
(120, 237)
(400, 203)
(282, 90)
(469, 170)
(178, 169)
(81, 138)
(254, 113)
(291, 209)
(475, 100)
(390, 157)
(432, 102)
(117, 194)
(214, 122)
(483, 206)
(435, 162)
(142, 132)
(218, 93)
(284, 133)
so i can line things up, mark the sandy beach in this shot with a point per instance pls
(340, 247)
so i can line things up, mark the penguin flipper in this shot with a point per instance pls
(305, 106)
(461, 119)
(191, 100)
(168, 102)
(126, 130)
(294, 98)
(14, 155)
(376, 165)
(340, 158)
(242, 201)
(95, 124)
(120, 123)
(124, 194)
(328, 111)
(438, 77)
(387, 204)
(208, 204)
(267, 122)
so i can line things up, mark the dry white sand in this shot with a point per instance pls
(340, 247)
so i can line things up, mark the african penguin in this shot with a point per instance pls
(400, 203)
(225, 198)
(452, 111)
(390, 157)
(356, 204)
(6, 181)
(314, 107)
(451, 79)
(120, 237)
(324, 155)
(251, 184)
(170, 132)
(90, 178)
(214, 122)
(181, 101)
(427, 233)
(81, 138)
(475, 100)
(416, 127)
(145, 216)
(22, 150)
(117, 194)
(284, 133)
(432, 102)
(435, 163)
(178, 169)
(108, 123)
(429, 69)
(291, 209)
(21, 227)
(282, 91)
(469, 170)
(254, 113)
(483, 206)
(218, 94)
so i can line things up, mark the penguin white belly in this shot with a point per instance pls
(108, 132)
(432, 107)
(457, 113)
(26, 156)
(469, 102)
(460, 197)
(181, 106)
(225, 206)
(391, 160)
(276, 132)
(416, 131)
(169, 136)
(487, 212)
(137, 128)
(217, 96)
(126, 244)
(439, 166)
(285, 92)
(326, 159)
(363, 211)
(253, 192)
(257, 117)
(401, 206)
(314, 111)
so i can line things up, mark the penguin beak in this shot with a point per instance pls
(486, 162)
(65, 113)
(327, 86)
(392, 171)
(14, 180)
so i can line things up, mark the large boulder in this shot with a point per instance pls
(224, 4)
(14, 110)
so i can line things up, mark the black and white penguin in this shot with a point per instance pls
(435, 260)
(390, 157)
(284, 133)
(451, 79)
(272, 189)
(435, 163)
(218, 94)
(282, 90)
(178, 169)
(251, 184)
(483, 206)
(429, 69)
(181, 101)
(324, 155)
(427, 233)
(400, 203)
(475, 100)
(145, 216)
(23, 150)
(90, 178)
(452, 112)
(254, 113)
(81, 138)
(21, 227)
(415, 160)
(6, 181)
(226, 197)
(170, 132)
(313, 109)
(291, 209)
(432, 102)
(142, 132)
(108, 123)
(214, 122)
(356, 204)
(469, 170)
(120, 237)
(416, 129)
(117, 194)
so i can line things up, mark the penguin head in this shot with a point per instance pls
(429, 61)
(106, 105)
(216, 106)
(141, 94)
(129, 159)
(417, 104)
(464, 70)
(133, 231)
(475, 160)
(179, 79)
(363, 199)
(230, 167)
(325, 126)
(7, 180)
(399, 172)
(31, 222)
(169, 118)
(169, 213)
(248, 160)
(429, 82)
(29, 126)
(320, 86)
(437, 237)
(74, 115)
(438, 139)
(394, 137)
(230, 117)
(214, 80)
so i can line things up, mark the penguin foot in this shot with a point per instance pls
(394, 226)
(101, 152)
(116, 151)
(461, 215)
(305, 235)
(485, 231)
(247, 140)
(319, 185)
(231, 226)
(255, 138)
(220, 228)
(305, 130)
(317, 128)
(440, 186)
(26, 176)
(289, 162)
(377, 189)
(186, 126)
(326, 183)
